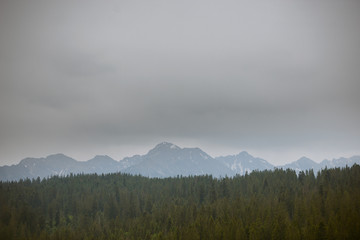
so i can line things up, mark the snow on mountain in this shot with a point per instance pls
(305, 164)
(57, 164)
(340, 162)
(244, 162)
(302, 164)
(167, 159)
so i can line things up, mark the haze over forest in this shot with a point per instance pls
(279, 79)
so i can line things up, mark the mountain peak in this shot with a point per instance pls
(57, 155)
(102, 158)
(244, 153)
(166, 145)
(302, 164)
(305, 160)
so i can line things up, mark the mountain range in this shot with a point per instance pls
(165, 160)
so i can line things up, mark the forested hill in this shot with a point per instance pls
(275, 204)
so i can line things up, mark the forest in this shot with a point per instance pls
(276, 204)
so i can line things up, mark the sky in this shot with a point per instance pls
(279, 79)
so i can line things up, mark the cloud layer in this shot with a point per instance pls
(87, 77)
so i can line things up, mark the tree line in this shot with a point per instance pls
(276, 204)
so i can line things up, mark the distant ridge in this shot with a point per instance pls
(164, 160)
(244, 162)
(302, 164)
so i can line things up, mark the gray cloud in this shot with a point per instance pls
(87, 77)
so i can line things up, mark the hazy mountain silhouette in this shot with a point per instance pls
(164, 160)
(167, 160)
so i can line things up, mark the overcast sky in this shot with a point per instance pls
(279, 79)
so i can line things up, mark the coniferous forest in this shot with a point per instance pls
(276, 204)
